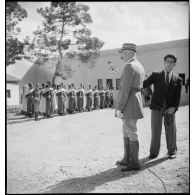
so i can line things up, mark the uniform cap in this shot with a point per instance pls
(129, 46)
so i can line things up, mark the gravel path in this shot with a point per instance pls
(77, 154)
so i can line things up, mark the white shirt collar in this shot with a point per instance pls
(133, 58)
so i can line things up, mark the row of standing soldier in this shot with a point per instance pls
(48, 100)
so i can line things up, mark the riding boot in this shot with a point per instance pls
(134, 153)
(126, 157)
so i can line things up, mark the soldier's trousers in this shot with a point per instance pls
(170, 131)
(130, 129)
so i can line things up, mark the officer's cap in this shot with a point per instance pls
(129, 46)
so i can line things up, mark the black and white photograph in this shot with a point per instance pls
(97, 97)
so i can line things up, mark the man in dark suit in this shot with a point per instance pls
(165, 102)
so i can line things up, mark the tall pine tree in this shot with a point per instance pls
(64, 33)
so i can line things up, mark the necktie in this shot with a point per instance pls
(167, 79)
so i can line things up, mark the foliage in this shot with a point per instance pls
(63, 32)
(14, 48)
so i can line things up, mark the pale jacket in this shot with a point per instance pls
(129, 95)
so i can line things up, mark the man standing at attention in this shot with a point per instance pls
(164, 103)
(129, 106)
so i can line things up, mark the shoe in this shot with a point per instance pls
(172, 155)
(152, 156)
(122, 162)
(131, 168)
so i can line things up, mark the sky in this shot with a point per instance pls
(116, 23)
(119, 22)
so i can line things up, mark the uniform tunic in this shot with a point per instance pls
(89, 99)
(29, 100)
(102, 98)
(61, 97)
(107, 98)
(129, 97)
(96, 98)
(80, 99)
(129, 94)
(49, 101)
(71, 101)
(36, 100)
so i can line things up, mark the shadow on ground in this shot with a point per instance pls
(88, 184)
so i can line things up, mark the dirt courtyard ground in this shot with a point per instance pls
(77, 154)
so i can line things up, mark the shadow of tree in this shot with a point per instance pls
(88, 184)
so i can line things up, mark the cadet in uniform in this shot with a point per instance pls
(71, 99)
(89, 98)
(80, 98)
(129, 106)
(29, 100)
(102, 97)
(36, 101)
(60, 93)
(96, 97)
(107, 97)
(42, 105)
(49, 95)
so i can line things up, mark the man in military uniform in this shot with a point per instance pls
(36, 101)
(29, 100)
(49, 95)
(107, 97)
(96, 98)
(129, 106)
(80, 98)
(102, 97)
(89, 98)
(60, 93)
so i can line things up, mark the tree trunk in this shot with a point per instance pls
(60, 53)
(57, 66)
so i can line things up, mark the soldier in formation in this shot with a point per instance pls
(48, 100)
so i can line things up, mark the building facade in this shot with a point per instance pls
(12, 90)
(108, 67)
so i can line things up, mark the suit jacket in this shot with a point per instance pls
(171, 95)
(129, 95)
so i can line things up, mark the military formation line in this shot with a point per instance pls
(48, 100)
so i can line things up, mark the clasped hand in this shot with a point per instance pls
(118, 113)
(170, 110)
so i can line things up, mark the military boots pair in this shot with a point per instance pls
(131, 153)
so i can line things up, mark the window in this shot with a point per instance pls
(182, 76)
(109, 83)
(100, 84)
(117, 84)
(8, 93)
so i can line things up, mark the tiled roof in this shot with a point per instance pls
(11, 78)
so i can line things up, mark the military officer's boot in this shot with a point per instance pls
(126, 157)
(134, 153)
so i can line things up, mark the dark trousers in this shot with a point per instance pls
(170, 131)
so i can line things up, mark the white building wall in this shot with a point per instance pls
(151, 56)
(14, 94)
